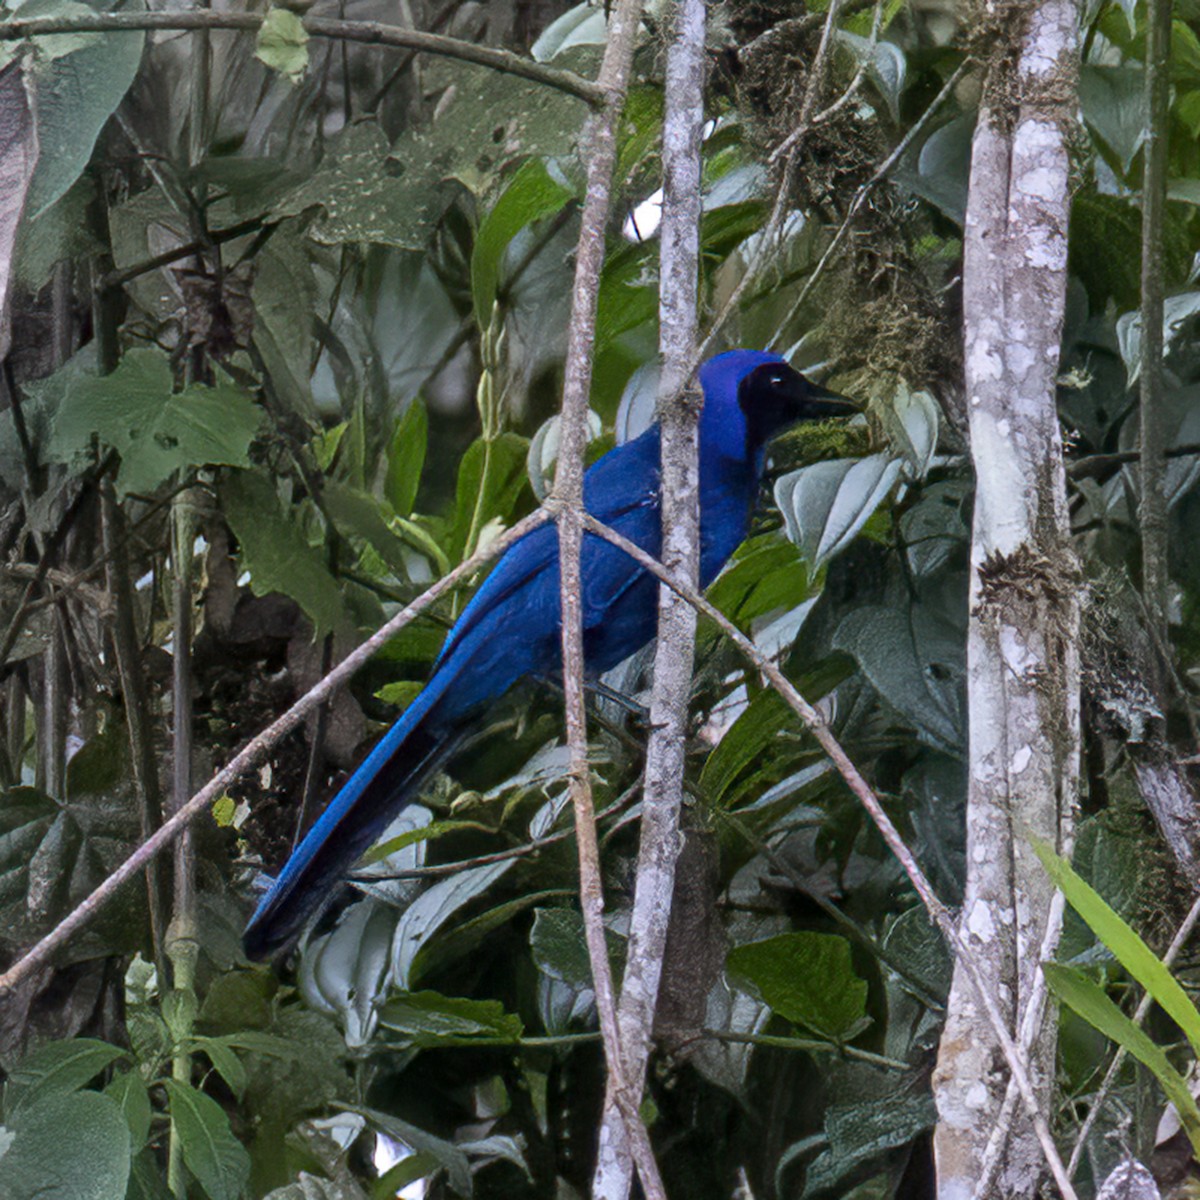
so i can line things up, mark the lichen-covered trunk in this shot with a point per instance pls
(1022, 650)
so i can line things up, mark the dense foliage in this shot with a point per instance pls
(286, 348)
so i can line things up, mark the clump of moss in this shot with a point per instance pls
(883, 307)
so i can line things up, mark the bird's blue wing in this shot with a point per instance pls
(621, 489)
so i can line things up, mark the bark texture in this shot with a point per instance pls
(678, 417)
(1022, 649)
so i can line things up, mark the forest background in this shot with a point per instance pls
(304, 309)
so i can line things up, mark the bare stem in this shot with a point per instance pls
(1152, 511)
(601, 143)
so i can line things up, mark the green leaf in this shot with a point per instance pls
(156, 432)
(767, 573)
(491, 477)
(224, 1060)
(406, 458)
(1093, 1005)
(744, 743)
(805, 977)
(129, 1092)
(56, 1068)
(77, 91)
(72, 1146)
(282, 43)
(422, 920)
(1113, 105)
(424, 833)
(1131, 952)
(356, 515)
(915, 662)
(452, 1160)
(557, 944)
(275, 551)
(53, 853)
(531, 195)
(826, 504)
(216, 1158)
(432, 1019)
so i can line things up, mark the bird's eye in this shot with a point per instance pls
(776, 380)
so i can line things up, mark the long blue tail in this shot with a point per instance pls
(389, 777)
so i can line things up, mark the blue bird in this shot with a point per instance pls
(511, 627)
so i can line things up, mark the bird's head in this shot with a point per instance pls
(751, 396)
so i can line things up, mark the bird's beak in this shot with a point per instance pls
(823, 404)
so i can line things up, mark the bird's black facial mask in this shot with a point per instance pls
(774, 397)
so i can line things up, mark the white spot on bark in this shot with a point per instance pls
(1020, 760)
(980, 921)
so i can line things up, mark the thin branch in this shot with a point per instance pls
(137, 707)
(367, 33)
(942, 916)
(902, 147)
(807, 1044)
(601, 156)
(1152, 511)
(678, 411)
(255, 749)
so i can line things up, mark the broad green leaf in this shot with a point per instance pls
(451, 1159)
(56, 1068)
(77, 91)
(432, 1019)
(128, 1090)
(558, 946)
(915, 661)
(583, 25)
(859, 1132)
(465, 937)
(886, 66)
(53, 853)
(825, 505)
(744, 743)
(282, 43)
(225, 1061)
(1177, 312)
(210, 1150)
(766, 574)
(406, 458)
(1093, 1005)
(72, 1146)
(1131, 952)
(542, 457)
(18, 159)
(356, 515)
(1112, 99)
(284, 293)
(432, 909)
(345, 972)
(934, 529)
(805, 977)
(370, 192)
(942, 167)
(491, 477)
(156, 431)
(910, 420)
(532, 193)
(275, 551)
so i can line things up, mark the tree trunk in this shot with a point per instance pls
(1022, 649)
